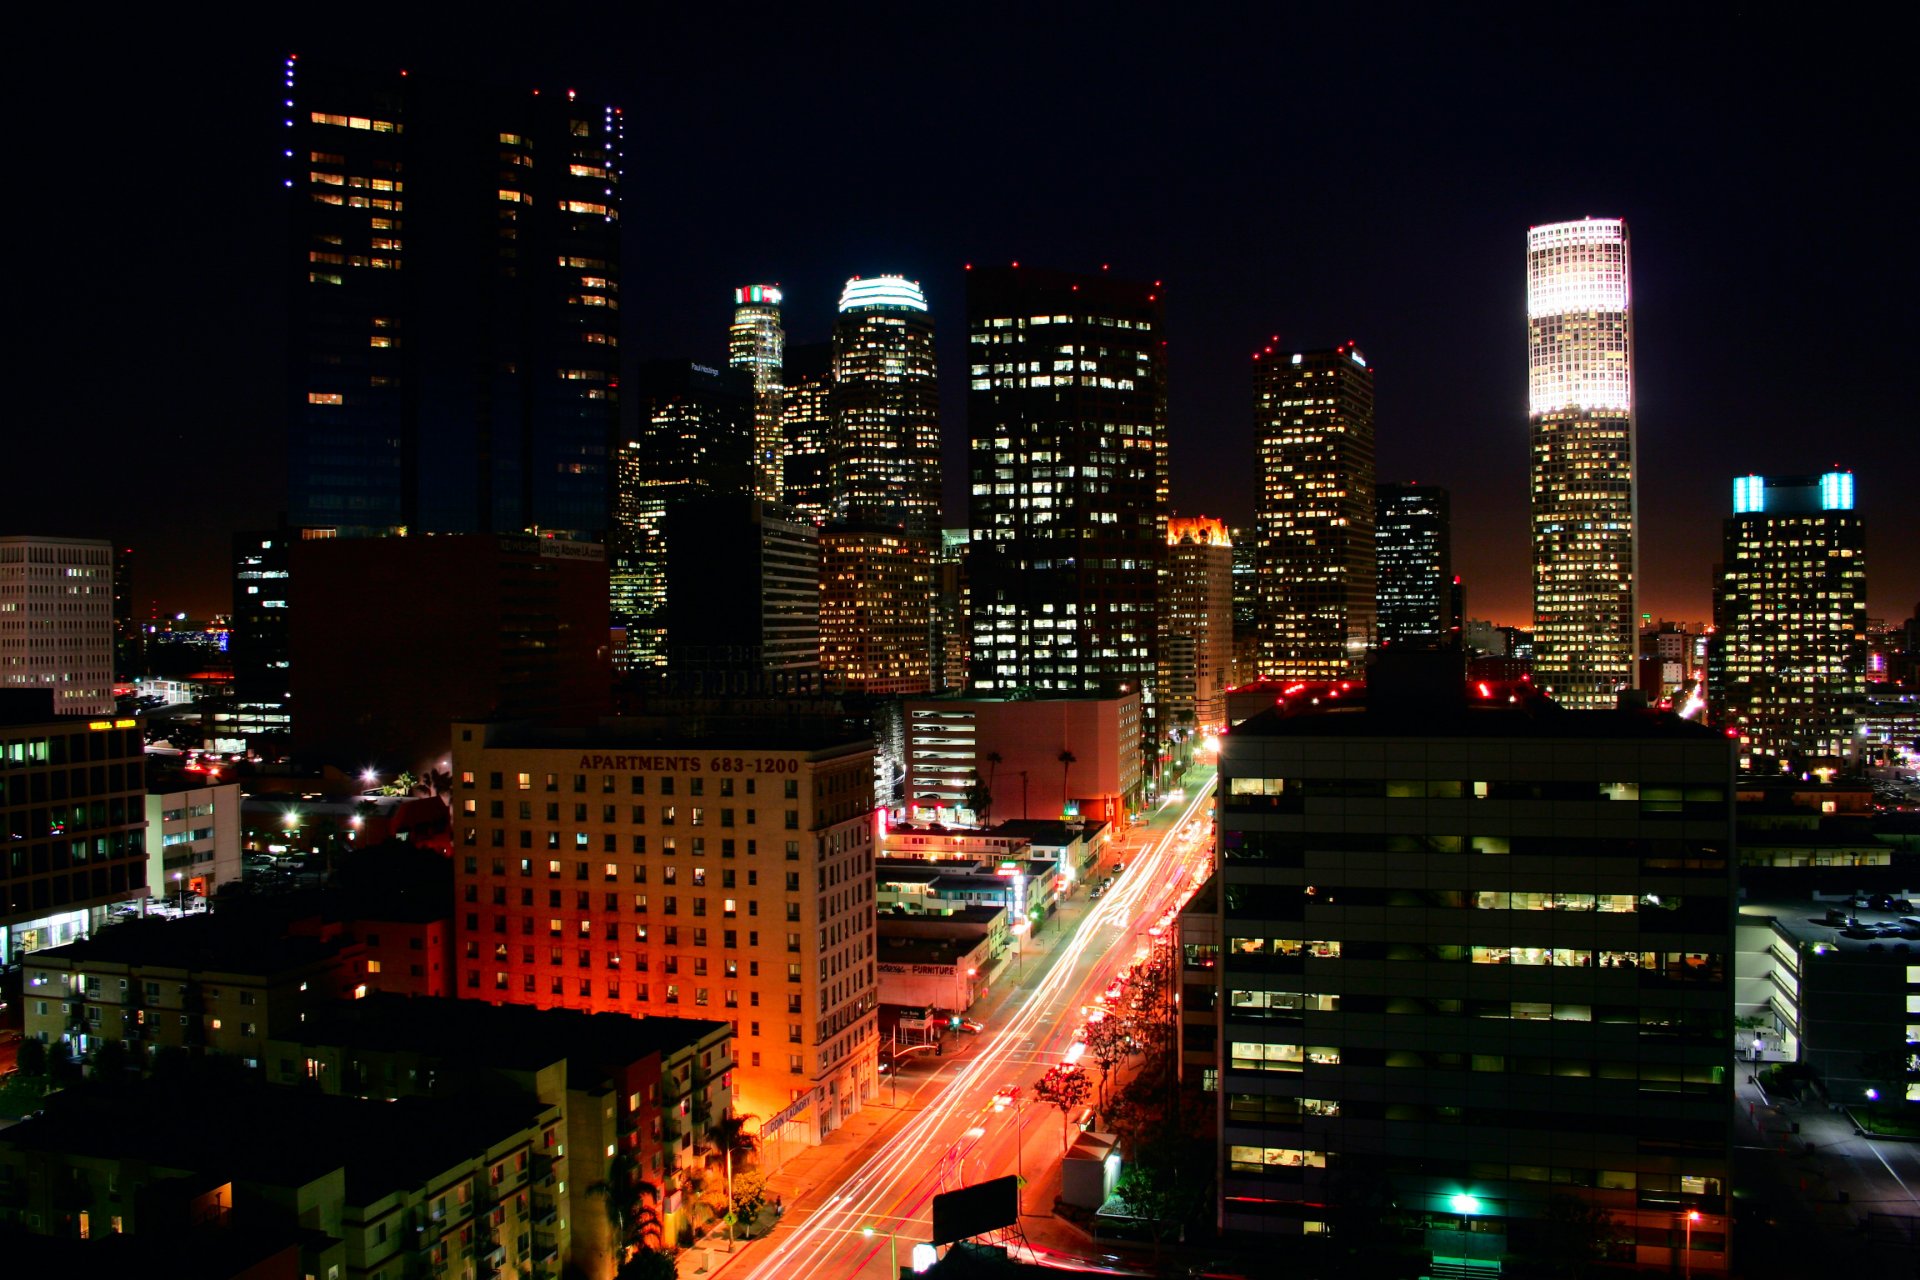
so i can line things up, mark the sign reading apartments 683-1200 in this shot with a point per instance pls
(634, 762)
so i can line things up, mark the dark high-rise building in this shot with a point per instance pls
(1067, 454)
(455, 280)
(885, 451)
(1790, 619)
(1315, 411)
(1413, 545)
(694, 437)
(1474, 954)
(806, 431)
(262, 592)
(743, 590)
(1196, 653)
(1580, 414)
(395, 638)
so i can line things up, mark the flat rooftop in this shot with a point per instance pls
(1318, 711)
(218, 943)
(689, 733)
(1839, 924)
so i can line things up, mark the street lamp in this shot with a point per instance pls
(893, 1257)
(180, 891)
(1693, 1216)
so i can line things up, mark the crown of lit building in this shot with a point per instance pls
(1206, 530)
(766, 295)
(882, 292)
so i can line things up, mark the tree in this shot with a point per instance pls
(1067, 760)
(33, 1058)
(1889, 1069)
(1573, 1235)
(1107, 1043)
(1065, 1088)
(1157, 1190)
(749, 1195)
(980, 800)
(730, 1135)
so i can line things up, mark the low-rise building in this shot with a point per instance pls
(932, 961)
(418, 1187)
(973, 760)
(637, 1097)
(193, 832)
(1838, 985)
(207, 984)
(945, 888)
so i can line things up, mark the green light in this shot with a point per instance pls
(1465, 1204)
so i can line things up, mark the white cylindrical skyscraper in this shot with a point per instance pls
(1580, 407)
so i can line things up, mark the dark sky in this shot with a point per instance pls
(1323, 173)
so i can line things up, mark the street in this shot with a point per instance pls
(953, 1136)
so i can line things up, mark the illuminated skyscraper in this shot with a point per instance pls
(1580, 404)
(806, 430)
(755, 344)
(885, 454)
(56, 621)
(1790, 620)
(453, 341)
(1196, 655)
(1413, 544)
(1315, 517)
(1067, 455)
(876, 609)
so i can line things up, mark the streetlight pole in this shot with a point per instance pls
(180, 892)
(893, 1256)
(729, 1155)
(1693, 1216)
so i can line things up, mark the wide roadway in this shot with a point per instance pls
(957, 1137)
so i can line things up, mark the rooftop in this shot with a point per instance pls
(1844, 924)
(659, 733)
(1510, 710)
(218, 943)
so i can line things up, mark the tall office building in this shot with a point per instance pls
(1790, 619)
(1315, 515)
(262, 596)
(694, 438)
(725, 875)
(755, 344)
(1474, 955)
(1413, 545)
(1067, 455)
(950, 611)
(453, 346)
(876, 609)
(806, 431)
(1196, 655)
(1580, 406)
(743, 591)
(885, 450)
(56, 621)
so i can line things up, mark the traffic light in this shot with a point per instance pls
(954, 1022)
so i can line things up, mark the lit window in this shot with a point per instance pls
(325, 397)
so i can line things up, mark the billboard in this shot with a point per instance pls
(976, 1210)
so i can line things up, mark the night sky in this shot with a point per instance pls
(1344, 172)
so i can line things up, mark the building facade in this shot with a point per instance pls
(193, 834)
(755, 346)
(885, 450)
(402, 635)
(1315, 513)
(1586, 566)
(743, 590)
(1067, 462)
(974, 760)
(56, 621)
(262, 596)
(1413, 543)
(66, 860)
(695, 439)
(876, 609)
(455, 276)
(1790, 620)
(638, 868)
(1196, 654)
(1477, 948)
(806, 431)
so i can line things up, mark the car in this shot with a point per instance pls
(971, 1027)
(1118, 867)
(1006, 1097)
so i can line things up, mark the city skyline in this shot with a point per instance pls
(1718, 395)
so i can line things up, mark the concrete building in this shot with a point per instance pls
(63, 868)
(636, 1097)
(428, 1187)
(1839, 984)
(639, 867)
(193, 833)
(1035, 758)
(204, 984)
(949, 970)
(876, 610)
(1479, 946)
(56, 621)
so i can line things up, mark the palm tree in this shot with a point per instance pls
(993, 767)
(1067, 760)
